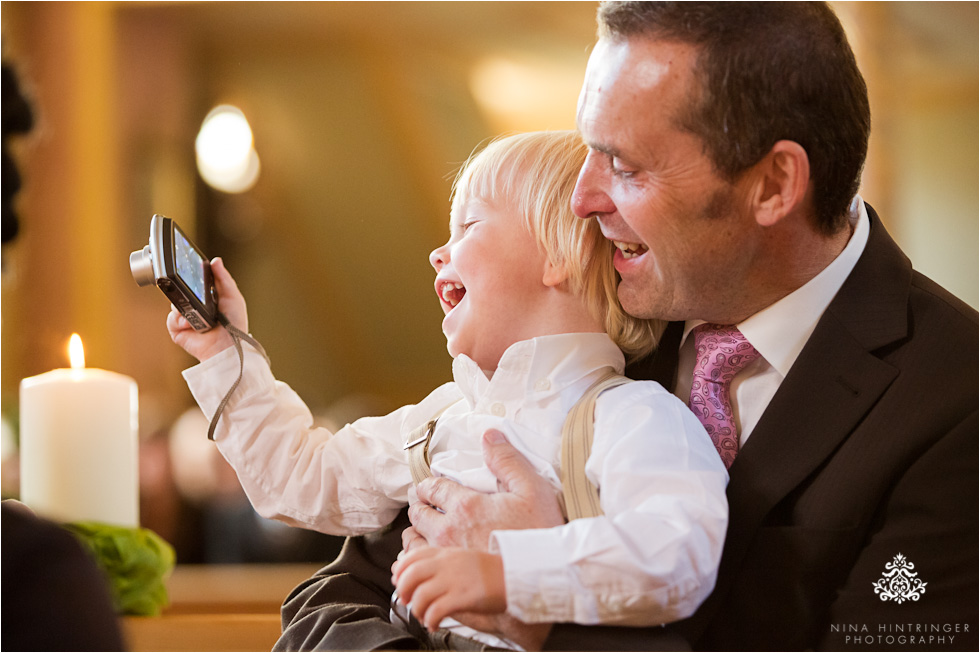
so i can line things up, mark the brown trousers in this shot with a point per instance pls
(345, 605)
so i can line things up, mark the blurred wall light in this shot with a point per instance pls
(547, 91)
(226, 156)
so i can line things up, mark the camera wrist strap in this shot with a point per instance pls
(237, 335)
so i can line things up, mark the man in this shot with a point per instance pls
(727, 142)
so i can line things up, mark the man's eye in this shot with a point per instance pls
(620, 169)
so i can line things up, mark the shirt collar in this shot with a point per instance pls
(780, 331)
(537, 367)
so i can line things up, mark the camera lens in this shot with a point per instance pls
(141, 265)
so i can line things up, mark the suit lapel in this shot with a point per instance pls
(830, 388)
(833, 384)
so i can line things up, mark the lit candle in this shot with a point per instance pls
(78, 444)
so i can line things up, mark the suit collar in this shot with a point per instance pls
(873, 302)
(836, 369)
(833, 384)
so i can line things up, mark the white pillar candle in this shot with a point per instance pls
(79, 444)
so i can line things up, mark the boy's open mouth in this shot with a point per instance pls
(451, 293)
(631, 250)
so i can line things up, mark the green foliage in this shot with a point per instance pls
(136, 562)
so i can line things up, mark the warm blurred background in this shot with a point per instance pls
(361, 112)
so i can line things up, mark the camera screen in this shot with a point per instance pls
(190, 265)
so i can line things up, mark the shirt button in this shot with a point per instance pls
(542, 385)
(498, 410)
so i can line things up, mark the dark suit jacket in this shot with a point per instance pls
(867, 451)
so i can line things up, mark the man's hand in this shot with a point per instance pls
(439, 583)
(203, 346)
(526, 500)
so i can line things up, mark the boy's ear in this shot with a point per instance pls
(554, 275)
(782, 180)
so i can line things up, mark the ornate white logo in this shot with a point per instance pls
(899, 583)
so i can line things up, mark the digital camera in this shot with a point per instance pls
(176, 266)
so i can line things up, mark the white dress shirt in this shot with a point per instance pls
(779, 332)
(653, 556)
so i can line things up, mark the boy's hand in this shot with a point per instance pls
(438, 583)
(203, 346)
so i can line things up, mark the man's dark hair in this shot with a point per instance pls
(768, 71)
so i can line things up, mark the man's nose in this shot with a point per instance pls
(589, 196)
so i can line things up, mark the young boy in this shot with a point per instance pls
(532, 320)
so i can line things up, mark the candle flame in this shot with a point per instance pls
(76, 353)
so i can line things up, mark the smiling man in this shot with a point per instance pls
(692, 242)
(726, 147)
(727, 142)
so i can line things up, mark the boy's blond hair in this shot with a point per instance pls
(536, 172)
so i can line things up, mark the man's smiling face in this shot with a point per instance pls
(682, 241)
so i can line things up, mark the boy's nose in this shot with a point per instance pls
(439, 257)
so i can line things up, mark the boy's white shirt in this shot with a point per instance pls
(652, 558)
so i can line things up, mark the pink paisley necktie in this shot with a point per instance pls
(722, 352)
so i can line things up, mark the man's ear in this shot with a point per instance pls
(554, 274)
(782, 180)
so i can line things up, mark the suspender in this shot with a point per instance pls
(580, 496)
(418, 450)
(418, 447)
